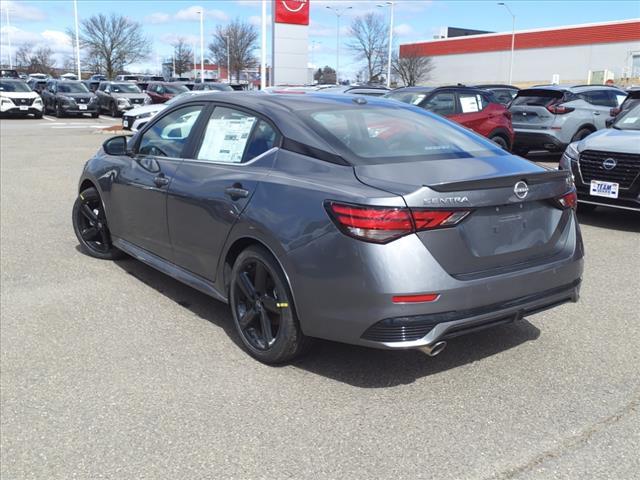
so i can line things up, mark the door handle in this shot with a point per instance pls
(596, 113)
(236, 191)
(161, 181)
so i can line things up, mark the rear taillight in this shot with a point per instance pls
(568, 200)
(384, 224)
(559, 109)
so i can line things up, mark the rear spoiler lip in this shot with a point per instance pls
(531, 178)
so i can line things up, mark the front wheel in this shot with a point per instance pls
(263, 310)
(58, 111)
(90, 226)
(581, 134)
(500, 141)
(114, 110)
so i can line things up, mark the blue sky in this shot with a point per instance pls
(44, 22)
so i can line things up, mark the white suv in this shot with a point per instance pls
(17, 98)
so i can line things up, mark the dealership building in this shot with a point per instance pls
(589, 53)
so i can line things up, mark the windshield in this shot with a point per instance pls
(175, 89)
(413, 98)
(386, 134)
(14, 87)
(125, 88)
(630, 120)
(72, 88)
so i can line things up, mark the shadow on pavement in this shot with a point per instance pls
(605, 217)
(358, 366)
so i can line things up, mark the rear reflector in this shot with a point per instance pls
(568, 200)
(384, 224)
(427, 297)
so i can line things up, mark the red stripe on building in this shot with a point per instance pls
(614, 33)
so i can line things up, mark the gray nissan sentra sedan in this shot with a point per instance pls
(358, 220)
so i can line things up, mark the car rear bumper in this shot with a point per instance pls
(537, 141)
(351, 300)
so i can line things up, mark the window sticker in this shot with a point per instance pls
(225, 139)
(469, 104)
(629, 119)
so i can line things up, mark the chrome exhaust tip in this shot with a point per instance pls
(435, 349)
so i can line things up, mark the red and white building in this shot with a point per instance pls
(565, 54)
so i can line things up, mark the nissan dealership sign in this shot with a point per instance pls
(294, 12)
(290, 42)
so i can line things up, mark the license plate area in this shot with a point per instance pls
(23, 108)
(604, 189)
(82, 107)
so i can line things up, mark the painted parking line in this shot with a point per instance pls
(48, 118)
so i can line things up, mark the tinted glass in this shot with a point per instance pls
(537, 98)
(72, 88)
(168, 136)
(600, 98)
(443, 103)
(125, 88)
(175, 89)
(504, 96)
(377, 134)
(14, 87)
(235, 137)
(413, 98)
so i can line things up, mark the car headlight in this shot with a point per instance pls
(66, 99)
(6, 100)
(570, 154)
(145, 115)
(147, 100)
(123, 101)
(37, 101)
(93, 99)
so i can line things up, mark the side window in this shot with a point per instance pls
(599, 98)
(503, 96)
(232, 136)
(168, 136)
(617, 98)
(471, 102)
(443, 103)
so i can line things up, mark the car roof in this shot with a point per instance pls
(573, 88)
(496, 85)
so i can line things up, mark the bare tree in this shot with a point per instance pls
(240, 38)
(35, 60)
(111, 43)
(412, 67)
(369, 42)
(183, 56)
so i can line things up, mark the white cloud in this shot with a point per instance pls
(193, 13)
(158, 17)
(22, 11)
(171, 38)
(403, 30)
(256, 20)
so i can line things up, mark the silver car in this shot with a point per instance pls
(551, 117)
(348, 218)
(606, 165)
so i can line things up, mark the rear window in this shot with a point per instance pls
(376, 134)
(537, 98)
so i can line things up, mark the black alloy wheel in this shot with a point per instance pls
(90, 226)
(263, 310)
(58, 111)
(114, 110)
(581, 134)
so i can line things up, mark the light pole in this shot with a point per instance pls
(389, 4)
(513, 38)
(75, 14)
(201, 46)
(339, 13)
(263, 48)
(9, 38)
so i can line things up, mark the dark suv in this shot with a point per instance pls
(476, 109)
(64, 97)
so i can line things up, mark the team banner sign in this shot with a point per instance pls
(293, 12)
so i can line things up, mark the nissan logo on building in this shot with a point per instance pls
(521, 189)
(293, 6)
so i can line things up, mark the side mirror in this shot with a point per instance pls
(116, 146)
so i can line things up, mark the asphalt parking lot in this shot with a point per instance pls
(112, 370)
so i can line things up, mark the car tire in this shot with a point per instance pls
(521, 151)
(581, 134)
(114, 110)
(95, 115)
(262, 308)
(38, 115)
(58, 111)
(500, 141)
(90, 226)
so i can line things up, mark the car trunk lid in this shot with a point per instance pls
(506, 228)
(529, 108)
